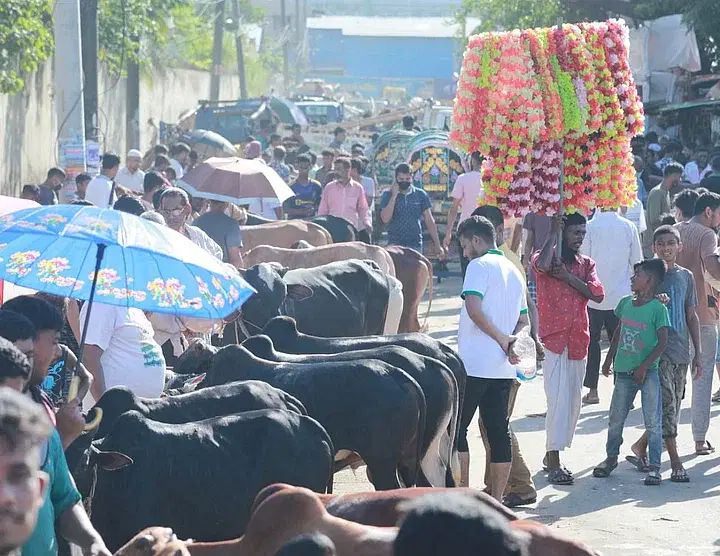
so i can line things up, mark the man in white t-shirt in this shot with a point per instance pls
(100, 191)
(466, 195)
(120, 351)
(494, 312)
(178, 155)
(131, 176)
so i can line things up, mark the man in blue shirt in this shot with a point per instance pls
(402, 208)
(308, 192)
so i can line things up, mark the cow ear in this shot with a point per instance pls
(110, 461)
(192, 384)
(298, 292)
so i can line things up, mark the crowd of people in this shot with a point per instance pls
(646, 275)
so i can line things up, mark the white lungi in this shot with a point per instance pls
(563, 379)
(395, 306)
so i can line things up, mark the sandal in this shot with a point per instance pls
(513, 500)
(640, 462)
(603, 470)
(546, 468)
(716, 397)
(679, 476)
(587, 400)
(706, 450)
(560, 476)
(653, 478)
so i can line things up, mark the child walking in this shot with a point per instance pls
(679, 285)
(636, 347)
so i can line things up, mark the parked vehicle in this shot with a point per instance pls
(389, 150)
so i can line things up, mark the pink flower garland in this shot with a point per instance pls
(526, 99)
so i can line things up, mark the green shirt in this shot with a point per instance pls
(60, 495)
(638, 332)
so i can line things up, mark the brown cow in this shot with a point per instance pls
(381, 508)
(283, 233)
(416, 273)
(317, 256)
(290, 513)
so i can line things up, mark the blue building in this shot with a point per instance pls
(367, 54)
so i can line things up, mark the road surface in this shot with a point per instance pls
(618, 515)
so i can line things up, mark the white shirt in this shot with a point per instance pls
(98, 192)
(369, 187)
(502, 288)
(636, 215)
(468, 190)
(693, 173)
(264, 207)
(175, 165)
(201, 239)
(131, 180)
(131, 357)
(614, 244)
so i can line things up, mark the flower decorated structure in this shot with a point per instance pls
(531, 100)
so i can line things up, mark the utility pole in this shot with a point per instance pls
(89, 35)
(68, 84)
(217, 50)
(239, 49)
(298, 41)
(132, 104)
(285, 39)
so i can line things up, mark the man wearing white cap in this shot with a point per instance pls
(131, 176)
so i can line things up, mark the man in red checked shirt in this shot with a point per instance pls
(564, 287)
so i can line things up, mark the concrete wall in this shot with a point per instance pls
(28, 125)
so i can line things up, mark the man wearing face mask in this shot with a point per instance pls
(402, 208)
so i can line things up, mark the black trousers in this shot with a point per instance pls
(598, 320)
(492, 396)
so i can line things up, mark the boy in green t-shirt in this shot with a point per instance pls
(636, 347)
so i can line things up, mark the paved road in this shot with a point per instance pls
(618, 515)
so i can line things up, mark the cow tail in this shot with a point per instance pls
(422, 403)
(453, 430)
(429, 266)
(330, 482)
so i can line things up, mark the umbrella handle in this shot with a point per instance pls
(68, 376)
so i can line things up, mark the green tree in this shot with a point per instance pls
(26, 40)
(133, 30)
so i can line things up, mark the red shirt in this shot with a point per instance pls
(562, 310)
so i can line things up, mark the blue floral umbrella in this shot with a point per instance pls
(115, 258)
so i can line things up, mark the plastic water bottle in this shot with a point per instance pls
(526, 369)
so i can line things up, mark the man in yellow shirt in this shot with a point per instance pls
(520, 490)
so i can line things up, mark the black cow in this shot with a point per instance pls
(345, 298)
(200, 479)
(225, 399)
(368, 407)
(437, 383)
(286, 338)
(340, 229)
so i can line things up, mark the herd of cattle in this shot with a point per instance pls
(304, 386)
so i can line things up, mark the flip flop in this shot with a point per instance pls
(640, 462)
(603, 470)
(706, 451)
(679, 476)
(653, 478)
(560, 476)
(587, 400)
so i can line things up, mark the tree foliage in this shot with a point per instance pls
(132, 30)
(26, 40)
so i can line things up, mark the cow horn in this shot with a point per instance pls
(96, 421)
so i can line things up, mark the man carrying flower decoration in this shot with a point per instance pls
(565, 284)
